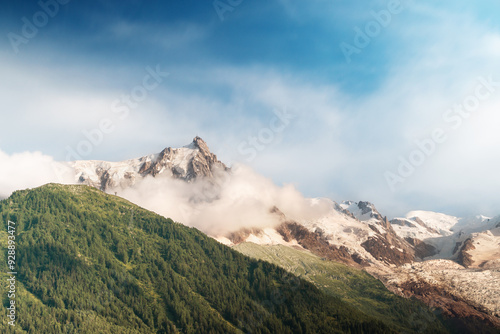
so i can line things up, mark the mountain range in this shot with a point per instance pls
(451, 263)
(345, 249)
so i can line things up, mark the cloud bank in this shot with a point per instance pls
(242, 199)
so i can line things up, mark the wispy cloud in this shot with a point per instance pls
(168, 37)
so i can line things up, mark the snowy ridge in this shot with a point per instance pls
(474, 223)
(363, 211)
(408, 228)
(89, 169)
(355, 226)
(437, 221)
(343, 230)
(446, 233)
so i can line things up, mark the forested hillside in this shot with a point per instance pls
(92, 262)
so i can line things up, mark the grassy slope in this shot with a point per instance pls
(353, 286)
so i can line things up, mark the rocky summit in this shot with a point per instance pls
(187, 163)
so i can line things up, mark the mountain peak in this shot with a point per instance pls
(187, 163)
(198, 143)
(201, 145)
(362, 210)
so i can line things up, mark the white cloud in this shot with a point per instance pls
(243, 199)
(29, 170)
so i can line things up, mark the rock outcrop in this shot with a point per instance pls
(385, 248)
(422, 249)
(464, 258)
(385, 245)
(316, 243)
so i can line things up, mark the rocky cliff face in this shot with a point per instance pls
(464, 258)
(385, 248)
(187, 163)
(385, 245)
(317, 243)
(422, 250)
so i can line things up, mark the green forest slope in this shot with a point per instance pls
(88, 262)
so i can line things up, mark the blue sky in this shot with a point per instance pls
(230, 73)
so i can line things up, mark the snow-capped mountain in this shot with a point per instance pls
(356, 234)
(434, 221)
(187, 163)
(355, 229)
(363, 211)
(422, 254)
(453, 237)
(337, 235)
